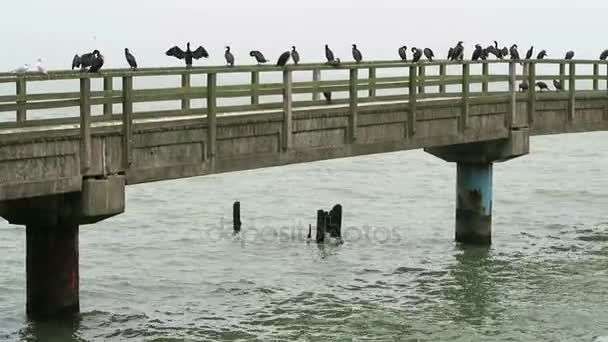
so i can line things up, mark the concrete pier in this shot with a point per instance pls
(474, 203)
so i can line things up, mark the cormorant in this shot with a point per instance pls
(284, 58)
(357, 54)
(478, 53)
(493, 50)
(542, 54)
(450, 53)
(97, 62)
(569, 54)
(335, 62)
(558, 86)
(84, 61)
(327, 95)
(403, 53)
(458, 53)
(229, 57)
(484, 54)
(523, 86)
(514, 53)
(604, 55)
(329, 54)
(259, 57)
(428, 53)
(542, 85)
(499, 51)
(530, 52)
(504, 52)
(295, 56)
(417, 54)
(188, 55)
(131, 59)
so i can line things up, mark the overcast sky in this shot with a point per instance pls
(57, 29)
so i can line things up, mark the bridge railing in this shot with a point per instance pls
(301, 86)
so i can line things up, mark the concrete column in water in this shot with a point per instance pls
(474, 203)
(52, 270)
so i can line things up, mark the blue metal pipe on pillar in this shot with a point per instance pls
(474, 203)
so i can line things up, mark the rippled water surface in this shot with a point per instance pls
(169, 270)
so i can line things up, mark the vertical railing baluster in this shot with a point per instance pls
(464, 115)
(596, 76)
(211, 117)
(108, 87)
(531, 92)
(485, 73)
(571, 91)
(85, 124)
(411, 115)
(353, 97)
(421, 80)
(186, 91)
(255, 83)
(372, 82)
(510, 118)
(127, 121)
(442, 78)
(287, 110)
(21, 92)
(562, 74)
(316, 78)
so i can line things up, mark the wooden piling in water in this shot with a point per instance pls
(236, 217)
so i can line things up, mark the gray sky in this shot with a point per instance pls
(57, 29)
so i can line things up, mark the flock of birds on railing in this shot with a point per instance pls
(94, 61)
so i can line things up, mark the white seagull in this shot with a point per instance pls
(22, 70)
(40, 67)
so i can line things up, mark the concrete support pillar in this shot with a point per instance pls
(52, 270)
(474, 203)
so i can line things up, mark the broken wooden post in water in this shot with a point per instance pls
(236, 217)
(329, 222)
(321, 228)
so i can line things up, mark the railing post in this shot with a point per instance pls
(211, 116)
(287, 110)
(353, 97)
(571, 91)
(108, 86)
(255, 82)
(411, 115)
(127, 120)
(186, 89)
(21, 99)
(510, 118)
(442, 74)
(596, 76)
(485, 72)
(85, 124)
(531, 92)
(562, 74)
(372, 82)
(464, 115)
(421, 73)
(316, 78)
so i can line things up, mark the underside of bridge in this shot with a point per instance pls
(474, 181)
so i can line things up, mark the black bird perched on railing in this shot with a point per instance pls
(569, 54)
(357, 54)
(131, 59)
(604, 55)
(327, 95)
(530, 52)
(524, 86)
(188, 55)
(97, 62)
(84, 61)
(403, 52)
(295, 56)
(417, 54)
(504, 51)
(499, 51)
(458, 53)
(542, 85)
(259, 57)
(229, 57)
(329, 54)
(558, 85)
(450, 53)
(542, 54)
(514, 53)
(284, 58)
(428, 53)
(478, 53)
